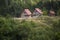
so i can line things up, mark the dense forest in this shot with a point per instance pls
(15, 7)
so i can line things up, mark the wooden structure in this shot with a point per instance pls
(26, 13)
(37, 12)
(51, 13)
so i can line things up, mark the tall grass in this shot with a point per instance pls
(43, 28)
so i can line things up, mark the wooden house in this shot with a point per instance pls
(51, 13)
(37, 12)
(26, 13)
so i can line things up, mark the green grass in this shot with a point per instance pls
(42, 28)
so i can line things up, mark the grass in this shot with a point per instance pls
(41, 28)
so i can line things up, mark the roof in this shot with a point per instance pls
(27, 11)
(52, 12)
(38, 10)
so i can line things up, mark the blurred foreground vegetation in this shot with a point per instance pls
(42, 28)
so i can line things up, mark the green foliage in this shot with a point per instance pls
(56, 26)
(58, 12)
(11, 29)
(8, 27)
(57, 36)
(15, 7)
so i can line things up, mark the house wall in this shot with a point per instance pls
(24, 15)
(36, 13)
